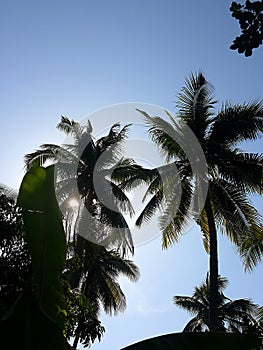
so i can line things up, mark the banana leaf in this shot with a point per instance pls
(46, 239)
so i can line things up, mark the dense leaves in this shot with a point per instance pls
(250, 18)
(37, 316)
(44, 232)
(84, 168)
(15, 262)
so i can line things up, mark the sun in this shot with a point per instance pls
(73, 203)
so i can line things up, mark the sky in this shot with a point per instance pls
(65, 57)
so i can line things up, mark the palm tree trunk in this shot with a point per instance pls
(213, 269)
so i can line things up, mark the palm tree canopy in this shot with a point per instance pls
(207, 177)
(90, 170)
(231, 172)
(235, 316)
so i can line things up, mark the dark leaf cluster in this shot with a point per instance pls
(250, 18)
(15, 262)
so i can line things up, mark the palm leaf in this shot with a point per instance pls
(176, 214)
(243, 169)
(150, 209)
(190, 304)
(195, 104)
(237, 123)
(165, 135)
(250, 246)
(233, 210)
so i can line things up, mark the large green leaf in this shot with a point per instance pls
(45, 237)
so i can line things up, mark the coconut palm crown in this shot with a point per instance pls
(234, 315)
(83, 165)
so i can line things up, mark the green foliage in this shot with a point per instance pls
(37, 316)
(250, 18)
(15, 259)
(78, 165)
(45, 237)
(177, 190)
(91, 271)
(82, 317)
(232, 173)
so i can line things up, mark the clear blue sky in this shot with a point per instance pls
(73, 57)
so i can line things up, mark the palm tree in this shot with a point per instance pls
(98, 284)
(234, 315)
(84, 169)
(231, 173)
(97, 233)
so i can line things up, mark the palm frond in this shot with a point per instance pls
(176, 214)
(244, 306)
(244, 170)
(122, 266)
(48, 152)
(233, 211)
(250, 246)
(195, 325)
(137, 176)
(8, 192)
(70, 127)
(190, 304)
(122, 201)
(164, 135)
(150, 209)
(113, 140)
(203, 223)
(195, 104)
(236, 123)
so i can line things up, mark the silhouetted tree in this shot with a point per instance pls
(234, 315)
(250, 18)
(15, 259)
(231, 175)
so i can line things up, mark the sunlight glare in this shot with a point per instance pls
(73, 203)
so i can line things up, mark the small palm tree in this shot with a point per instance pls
(231, 175)
(98, 284)
(234, 315)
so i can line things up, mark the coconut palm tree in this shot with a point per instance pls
(84, 169)
(234, 315)
(229, 173)
(97, 233)
(99, 284)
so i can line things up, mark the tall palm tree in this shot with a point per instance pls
(231, 174)
(97, 233)
(234, 315)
